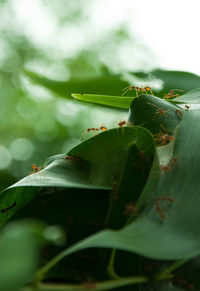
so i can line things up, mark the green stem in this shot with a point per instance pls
(111, 269)
(170, 269)
(105, 285)
(40, 274)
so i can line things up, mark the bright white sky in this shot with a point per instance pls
(170, 29)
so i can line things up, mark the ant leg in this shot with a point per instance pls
(84, 135)
(126, 90)
(158, 207)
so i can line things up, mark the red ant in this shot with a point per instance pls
(8, 208)
(170, 199)
(171, 94)
(121, 123)
(35, 169)
(102, 127)
(169, 166)
(71, 158)
(180, 114)
(160, 110)
(137, 89)
(163, 139)
(130, 208)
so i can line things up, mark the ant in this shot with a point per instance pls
(187, 107)
(130, 208)
(169, 166)
(8, 208)
(171, 94)
(102, 127)
(137, 89)
(121, 123)
(35, 169)
(170, 199)
(180, 114)
(163, 139)
(159, 110)
(70, 158)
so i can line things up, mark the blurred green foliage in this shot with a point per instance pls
(36, 124)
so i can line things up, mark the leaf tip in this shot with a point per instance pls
(75, 95)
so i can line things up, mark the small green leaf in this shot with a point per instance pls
(114, 101)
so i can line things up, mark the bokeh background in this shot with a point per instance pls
(84, 45)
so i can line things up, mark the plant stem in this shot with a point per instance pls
(111, 269)
(174, 266)
(40, 274)
(105, 285)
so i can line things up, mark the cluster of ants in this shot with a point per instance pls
(161, 139)
(171, 94)
(121, 123)
(131, 208)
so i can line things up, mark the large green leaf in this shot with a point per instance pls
(192, 97)
(59, 173)
(106, 152)
(113, 84)
(178, 79)
(94, 168)
(108, 85)
(171, 79)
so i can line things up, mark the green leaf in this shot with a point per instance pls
(171, 79)
(178, 79)
(126, 191)
(109, 84)
(192, 97)
(106, 152)
(59, 173)
(155, 114)
(115, 101)
(94, 168)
